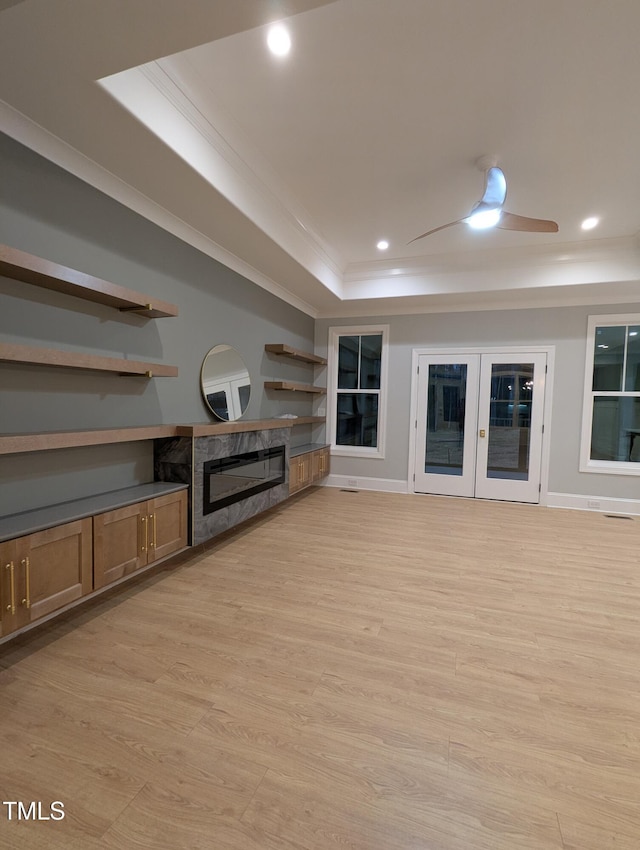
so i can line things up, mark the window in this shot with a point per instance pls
(611, 421)
(357, 385)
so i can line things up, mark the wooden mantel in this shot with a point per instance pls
(47, 440)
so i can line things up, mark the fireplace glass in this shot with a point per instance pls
(232, 479)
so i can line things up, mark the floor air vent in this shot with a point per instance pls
(617, 516)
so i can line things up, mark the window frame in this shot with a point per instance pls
(377, 452)
(609, 467)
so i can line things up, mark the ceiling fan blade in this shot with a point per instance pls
(510, 221)
(436, 229)
(495, 188)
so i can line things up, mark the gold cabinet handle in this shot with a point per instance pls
(27, 582)
(145, 536)
(12, 584)
(152, 520)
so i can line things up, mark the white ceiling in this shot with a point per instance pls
(291, 170)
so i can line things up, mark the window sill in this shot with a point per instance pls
(611, 467)
(355, 451)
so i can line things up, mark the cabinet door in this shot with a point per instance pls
(47, 570)
(167, 520)
(57, 567)
(299, 472)
(294, 474)
(320, 464)
(8, 579)
(120, 543)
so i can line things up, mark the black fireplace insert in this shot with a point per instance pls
(232, 479)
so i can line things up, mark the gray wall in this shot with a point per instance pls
(565, 328)
(47, 212)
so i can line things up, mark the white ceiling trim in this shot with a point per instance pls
(156, 96)
(595, 250)
(544, 267)
(37, 138)
(593, 295)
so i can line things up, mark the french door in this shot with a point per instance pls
(479, 425)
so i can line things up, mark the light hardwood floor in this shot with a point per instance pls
(357, 671)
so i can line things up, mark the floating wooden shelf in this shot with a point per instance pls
(293, 387)
(39, 272)
(308, 420)
(295, 354)
(10, 352)
(48, 440)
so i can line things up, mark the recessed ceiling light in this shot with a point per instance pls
(382, 245)
(590, 223)
(279, 40)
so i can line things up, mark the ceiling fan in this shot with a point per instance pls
(489, 212)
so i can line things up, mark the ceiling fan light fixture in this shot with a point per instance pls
(484, 219)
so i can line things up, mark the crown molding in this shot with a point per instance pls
(592, 272)
(163, 97)
(582, 295)
(545, 267)
(564, 253)
(51, 147)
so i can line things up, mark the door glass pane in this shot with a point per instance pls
(219, 404)
(510, 421)
(608, 358)
(615, 428)
(446, 399)
(357, 423)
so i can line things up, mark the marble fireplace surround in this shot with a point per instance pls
(182, 458)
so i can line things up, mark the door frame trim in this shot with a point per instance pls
(517, 351)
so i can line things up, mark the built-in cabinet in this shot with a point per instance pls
(307, 465)
(134, 536)
(47, 570)
(55, 556)
(43, 572)
(299, 472)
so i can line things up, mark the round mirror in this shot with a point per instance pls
(225, 383)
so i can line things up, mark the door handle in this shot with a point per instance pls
(27, 582)
(483, 433)
(144, 534)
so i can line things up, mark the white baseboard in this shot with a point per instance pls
(600, 504)
(352, 482)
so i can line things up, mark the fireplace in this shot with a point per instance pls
(231, 479)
